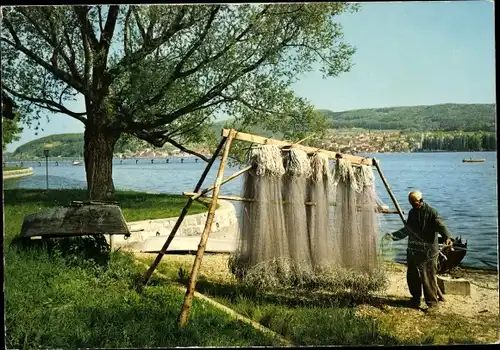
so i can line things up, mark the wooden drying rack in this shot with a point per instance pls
(228, 135)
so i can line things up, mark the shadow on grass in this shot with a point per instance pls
(304, 317)
(135, 205)
(58, 298)
(128, 322)
(54, 197)
(75, 250)
(289, 297)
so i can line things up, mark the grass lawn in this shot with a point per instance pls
(52, 301)
(10, 168)
(303, 318)
(135, 205)
(316, 318)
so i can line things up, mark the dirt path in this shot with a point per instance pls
(474, 317)
(484, 296)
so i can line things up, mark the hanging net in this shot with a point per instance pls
(306, 226)
(366, 201)
(262, 244)
(323, 249)
(294, 194)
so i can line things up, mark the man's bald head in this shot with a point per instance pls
(415, 198)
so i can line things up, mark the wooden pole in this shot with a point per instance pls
(235, 198)
(388, 188)
(183, 316)
(149, 272)
(229, 178)
(242, 199)
(268, 141)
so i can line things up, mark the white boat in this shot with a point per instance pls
(75, 162)
(471, 160)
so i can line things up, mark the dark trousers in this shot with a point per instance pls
(422, 274)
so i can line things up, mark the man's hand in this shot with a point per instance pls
(388, 236)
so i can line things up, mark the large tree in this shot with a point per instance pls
(162, 73)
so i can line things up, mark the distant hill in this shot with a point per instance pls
(64, 145)
(445, 117)
(72, 145)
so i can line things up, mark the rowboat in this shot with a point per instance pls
(75, 162)
(470, 160)
(451, 257)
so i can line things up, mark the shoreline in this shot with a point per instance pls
(14, 174)
(466, 269)
(170, 220)
(189, 156)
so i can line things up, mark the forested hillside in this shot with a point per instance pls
(447, 123)
(65, 145)
(71, 145)
(445, 117)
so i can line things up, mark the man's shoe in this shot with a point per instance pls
(414, 303)
(431, 308)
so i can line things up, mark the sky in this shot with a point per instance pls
(408, 53)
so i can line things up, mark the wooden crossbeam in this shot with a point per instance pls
(268, 141)
(378, 209)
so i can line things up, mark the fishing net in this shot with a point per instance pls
(305, 226)
(323, 251)
(262, 239)
(345, 228)
(366, 199)
(294, 193)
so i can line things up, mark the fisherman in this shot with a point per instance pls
(424, 222)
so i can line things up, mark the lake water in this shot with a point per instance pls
(465, 194)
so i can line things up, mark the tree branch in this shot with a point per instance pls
(312, 49)
(159, 120)
(84, 23)
(245, 103)
(228, 47)
(149, 46)
(72, 64)
(184, 149)
(152, 21)
(158, 139)
(126, 50)
(216, 90)
(51, 105)
(86, 26)
(139, 23)
(64, 76)
(109, 28)
(100, 18)
(176, 74)
(52, 41)
(179, 131)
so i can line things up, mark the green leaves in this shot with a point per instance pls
(446, 117)
(236, 60)
(172, 69)
(11, 130)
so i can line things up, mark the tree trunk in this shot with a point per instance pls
(98, 154)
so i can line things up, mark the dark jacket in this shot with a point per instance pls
(423, 225)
